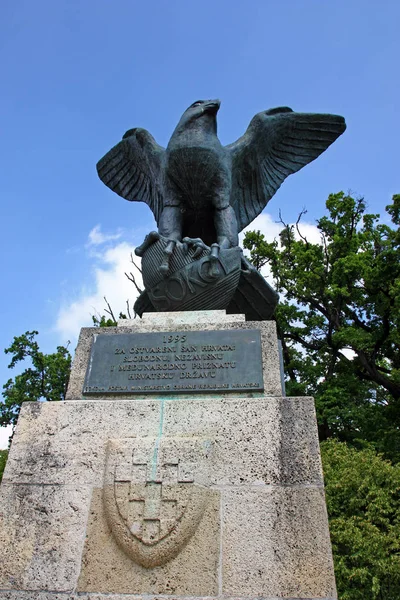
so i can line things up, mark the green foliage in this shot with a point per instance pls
(3, 460)
(363, 501)
(342, 294)
(45, 377)
(103, 321)
(111, 321)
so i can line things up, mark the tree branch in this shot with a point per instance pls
(109, 311)
(302, 212)
(358, 321)
(133, 262)
(128, 310)
(132, 279)
(374, 375)
(297, 338)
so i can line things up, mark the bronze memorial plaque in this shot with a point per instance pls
(175, 362)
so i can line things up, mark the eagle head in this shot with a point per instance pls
(201, 107)
(201, 114)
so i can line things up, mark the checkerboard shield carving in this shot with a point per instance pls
(153, 499)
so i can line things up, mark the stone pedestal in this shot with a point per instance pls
(195, 496)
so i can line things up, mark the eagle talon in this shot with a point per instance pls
(214, 255)
(150, 238)
(197, 252)
(198, 244)
(168, 251)
(214, 252)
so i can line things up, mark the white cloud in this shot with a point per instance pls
(266, 225)
(5, 433)
(109, 280)
(271, 229)
(310, 232)
(97, 237)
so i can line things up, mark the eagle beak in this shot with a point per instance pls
(212, 106)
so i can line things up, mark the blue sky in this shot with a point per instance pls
(77, 74)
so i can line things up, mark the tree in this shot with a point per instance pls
(339, 318)
(363, 501)
(45, 378)
(110, 321)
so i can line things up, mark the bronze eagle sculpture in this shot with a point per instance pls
(202, 194)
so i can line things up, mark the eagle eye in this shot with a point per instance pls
(198, 103)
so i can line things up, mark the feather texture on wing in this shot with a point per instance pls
(277, 143)
(132, 169)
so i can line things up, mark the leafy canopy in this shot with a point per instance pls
(45, 378)
(363, 501)
(339, 318)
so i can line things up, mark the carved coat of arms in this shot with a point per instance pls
(152, 502)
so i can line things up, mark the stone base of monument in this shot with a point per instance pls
(175, 468)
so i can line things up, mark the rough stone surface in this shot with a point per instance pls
(42, 530)
(258, 440)
(12, 595)
(289, 540)
(77, 500)
(194, 572)
(253, 440)
(270, 353)
(61, 443)
(183, 318)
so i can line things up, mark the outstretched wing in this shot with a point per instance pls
(277, 143)
(132, 169)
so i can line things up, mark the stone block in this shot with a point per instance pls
(12, 595)
(193, 317)
(275, 543)
(253, 440)
(42, 531)
(60, 443)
